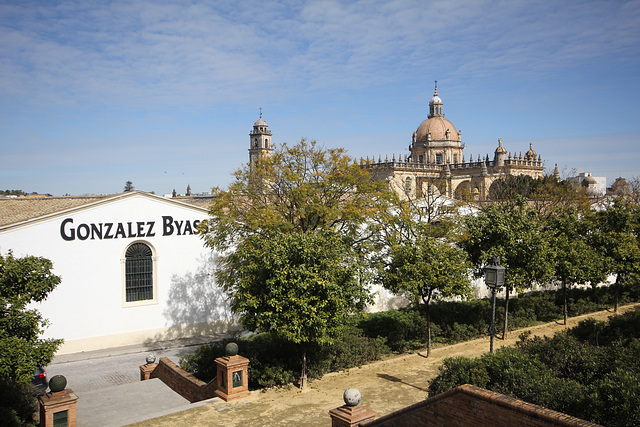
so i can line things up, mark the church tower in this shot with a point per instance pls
(259, 140)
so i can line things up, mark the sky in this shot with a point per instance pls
(164, 93)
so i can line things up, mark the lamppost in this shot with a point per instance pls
(493, 278)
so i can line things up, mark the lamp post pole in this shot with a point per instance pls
(492, 328)
(493, 278)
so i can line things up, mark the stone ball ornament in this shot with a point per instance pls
(231, 349)
(352, 397)
(57, 383)
(151, 359)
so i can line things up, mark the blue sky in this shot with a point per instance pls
(164, 93)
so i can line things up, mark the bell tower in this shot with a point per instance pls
(259, 140)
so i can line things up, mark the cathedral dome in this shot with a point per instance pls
(438, 127)
(260, 122)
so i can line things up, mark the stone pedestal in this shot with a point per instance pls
(349, 416)
(58, 407)
(147, 370)
(232, 378)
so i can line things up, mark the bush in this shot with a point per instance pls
(17, 403)
(402, 329)
(277, 362)
(590, 372)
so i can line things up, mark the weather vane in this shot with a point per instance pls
(260, 112)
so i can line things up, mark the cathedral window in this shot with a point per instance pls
(438, 159)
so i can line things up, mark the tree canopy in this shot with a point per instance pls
(303, 187)
(22, 281)
(291, 227)
(427, 269)
(514, 233)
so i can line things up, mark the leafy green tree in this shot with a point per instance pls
(300, 286)
(298, 188)
(22, 351)
(547, 195)
(292, 227)
(128, 186)
(575, 260)
(426, 269)
(22, 281)
(514, 233)
(617, 241)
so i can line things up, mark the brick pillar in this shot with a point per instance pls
(351, 414)
(233, 377)
(146, 371)
(57, 406)
(348, 416)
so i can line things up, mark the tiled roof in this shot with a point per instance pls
(15, 210)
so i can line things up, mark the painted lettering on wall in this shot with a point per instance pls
(126, 230)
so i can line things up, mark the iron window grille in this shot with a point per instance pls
(139, 272)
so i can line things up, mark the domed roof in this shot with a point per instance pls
(260, 122)
(438, 127)
(436, 99)
(532, 155)
(500, 148)
(589, 180)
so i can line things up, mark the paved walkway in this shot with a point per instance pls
(108, 384)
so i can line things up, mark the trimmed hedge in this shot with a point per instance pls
(275, 362)
(590, 371)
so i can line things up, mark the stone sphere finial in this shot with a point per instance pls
(352, 397)
(57, 383)
(150, 359)
(231, 349)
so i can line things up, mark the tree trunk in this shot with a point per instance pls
(564, 291)
(428, 331)
(303, 374)
(506, 314)
(616, 290)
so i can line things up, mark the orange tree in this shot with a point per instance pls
(292, 230)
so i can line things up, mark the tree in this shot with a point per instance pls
(617, 241)
(128, 186)
(299, 188)
(426, 269)
(574, 258)
(292, 230)
(22, 281)
(297, 285)
(513, 232)
(547, 194)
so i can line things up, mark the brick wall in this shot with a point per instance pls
(183, 382)
(469, 405)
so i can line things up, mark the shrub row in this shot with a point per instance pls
(275, 362)
(591, 371)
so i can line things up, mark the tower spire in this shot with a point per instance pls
(435, 105)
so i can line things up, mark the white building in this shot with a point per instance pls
(132, 267)
(595, 186)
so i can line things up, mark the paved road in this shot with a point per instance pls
(108, 384)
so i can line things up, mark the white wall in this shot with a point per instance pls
(87, 309)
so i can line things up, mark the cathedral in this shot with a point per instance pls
(436, 163)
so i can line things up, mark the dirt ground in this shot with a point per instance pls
(386, 386)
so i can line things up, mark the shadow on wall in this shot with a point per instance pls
(197, 306)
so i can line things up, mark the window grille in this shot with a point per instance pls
(139, 272)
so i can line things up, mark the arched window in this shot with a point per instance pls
(138, 273)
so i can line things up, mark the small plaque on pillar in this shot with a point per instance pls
(233, 379)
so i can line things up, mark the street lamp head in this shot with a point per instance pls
(494, 274)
